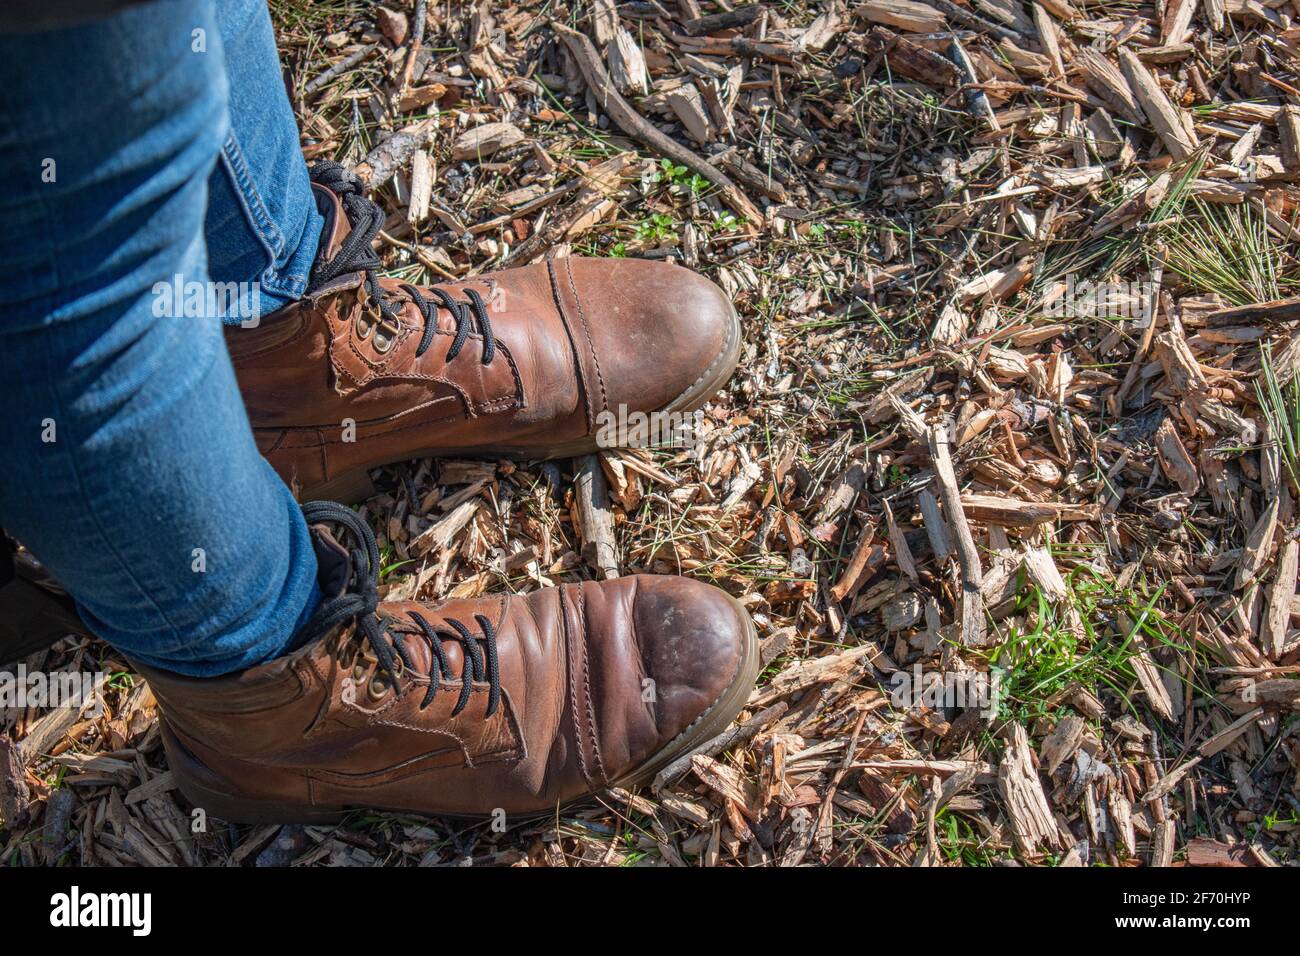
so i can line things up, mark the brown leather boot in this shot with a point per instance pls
(517, 703)
(365, 371)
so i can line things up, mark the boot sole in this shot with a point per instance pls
(186, 768)
(353, 487)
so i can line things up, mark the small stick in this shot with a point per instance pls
(968, 555)
(317, 83)
(417, 41)
(976, 22)
(632, 123)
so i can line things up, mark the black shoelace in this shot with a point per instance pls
(359, 602)
(357, 254)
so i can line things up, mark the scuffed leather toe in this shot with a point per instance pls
(691, 637)
(664, 335)
(661, 653)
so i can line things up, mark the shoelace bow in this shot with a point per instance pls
(359, 602)
(357, 254)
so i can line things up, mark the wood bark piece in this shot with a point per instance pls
(1288, 129)
(632, 123)
(898, 541)
(977, 101)
(480, 142)
(393, 24)
(58, 818)
(867, 558)
(1230, 733)
(1164, 116)
(723, 20)
(1107, 140)
(825, 837)
(1162, 844)
(1259, 544)
(1109, 83)
(1047, 36)
(973, 627)
(1280, 692)
(1032, 824)
(984, 772)
(627, 64)
(1121, 815)
(1276, 311)
(421, 187)
(973, 21)
(440, 534)
(1043, 571)
(763, 181)
(46, 732)
(1175, 460)
(594, 186)
(1280, 595)
(1177, 21)
(908, 418)
(592, 498)
(417, 43)
(1148, 675)
(604, 21)
(1063, 741)
(822, 30)
(727, 782)
(1202, 851)
(15, 796)
(911, 59)
(1180, 365)
(1012, 513)
(420, 97)
(903, 14)
(936, 529)
(688, 106)
(1062, 10)
(1009, 12)
(803, 674)
(1166, 784)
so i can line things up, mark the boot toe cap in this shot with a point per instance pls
(665, 337)
(692, 638)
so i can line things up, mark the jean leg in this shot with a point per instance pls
(263, 224)
(129, 466)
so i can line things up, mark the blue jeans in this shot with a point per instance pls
(140, 154)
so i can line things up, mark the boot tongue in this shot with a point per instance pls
(333, 562)
(337, 227)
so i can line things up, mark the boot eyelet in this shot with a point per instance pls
(363, 328)
(377, 688)
(359, 673)
(384, 340)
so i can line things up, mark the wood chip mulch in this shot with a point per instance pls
(1018, 408)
